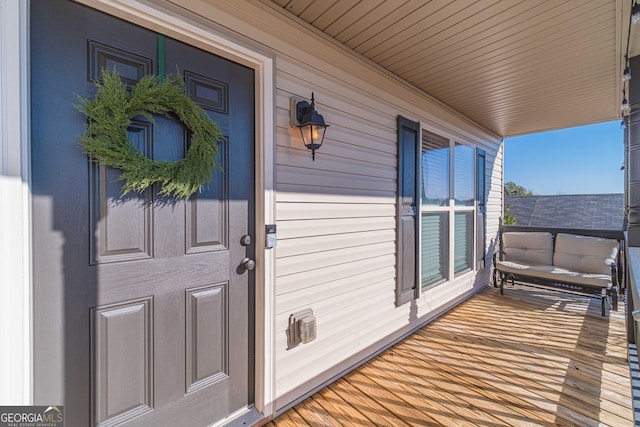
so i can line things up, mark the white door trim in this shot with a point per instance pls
(15, 206)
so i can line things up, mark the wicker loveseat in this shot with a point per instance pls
(564, 261)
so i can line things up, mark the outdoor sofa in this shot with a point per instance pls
(562, 261)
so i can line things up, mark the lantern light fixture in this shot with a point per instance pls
(635, 13)
(311, 124)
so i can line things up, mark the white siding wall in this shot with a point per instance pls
(336, 223)
(495, 199)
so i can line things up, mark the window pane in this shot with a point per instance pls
(463, 242)
(464, 184)
(480, 178)
(435, 170)
(435, 247)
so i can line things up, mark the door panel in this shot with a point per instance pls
(142, 312)
(207, 347)
(124, 379)
(110, 213)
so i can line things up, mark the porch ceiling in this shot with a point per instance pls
(514, 67)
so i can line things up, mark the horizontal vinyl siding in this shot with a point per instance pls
(336, 223)
(494, 199)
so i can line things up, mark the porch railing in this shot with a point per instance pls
(632, 275)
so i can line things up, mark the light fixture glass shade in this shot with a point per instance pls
(626, 74)
(312, 136)
(312, 126)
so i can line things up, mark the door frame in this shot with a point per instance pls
(15, 180)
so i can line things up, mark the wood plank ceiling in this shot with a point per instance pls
(512, 66)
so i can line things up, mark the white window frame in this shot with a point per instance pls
(451, 209)
(461, 208)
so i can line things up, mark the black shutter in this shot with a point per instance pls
(481, 199)
(407, 225)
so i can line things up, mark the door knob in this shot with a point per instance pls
(248, 264)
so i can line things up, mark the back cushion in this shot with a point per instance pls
(584, 253)
(528, 247)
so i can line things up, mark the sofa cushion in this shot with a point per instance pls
(516, 267)
(555, 274)
(586, 254)
(528, 247)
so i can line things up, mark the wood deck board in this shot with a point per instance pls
(522, 388)
(534, 362)
(391, 398)
(332, 401)
(611, 353)
(529, 357)
(442, 400)
(314, 414)
(551, 374)
(374, 411)
(512, 410)
(437, 408)
(546, 387)
(539, 363)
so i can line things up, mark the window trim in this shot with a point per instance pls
(452, 209)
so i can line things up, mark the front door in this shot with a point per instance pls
(142, 305)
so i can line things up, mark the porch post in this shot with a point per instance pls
(15, 229)
(632, 146)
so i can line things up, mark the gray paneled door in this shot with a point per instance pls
(143, 311)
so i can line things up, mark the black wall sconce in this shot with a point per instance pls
(311, 124)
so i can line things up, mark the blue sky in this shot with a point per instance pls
(581, 160)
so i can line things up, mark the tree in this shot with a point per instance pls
(509, 218)
(513, 189)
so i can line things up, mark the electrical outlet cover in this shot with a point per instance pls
(308, 329)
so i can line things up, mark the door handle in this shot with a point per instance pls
(248, 264)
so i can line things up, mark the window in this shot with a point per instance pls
(448, 188)
(464, 195)
(435, 206)
(435, 170)
(464, 184)
(463, 242)
(435, 248)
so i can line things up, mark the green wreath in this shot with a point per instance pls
(110, 113)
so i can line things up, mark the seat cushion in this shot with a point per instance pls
(517, 267)
(556, 274)
(528, 247)
(584, 253)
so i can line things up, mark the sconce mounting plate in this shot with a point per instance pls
(294, 110)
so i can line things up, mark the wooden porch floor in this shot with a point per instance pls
(530, 357)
